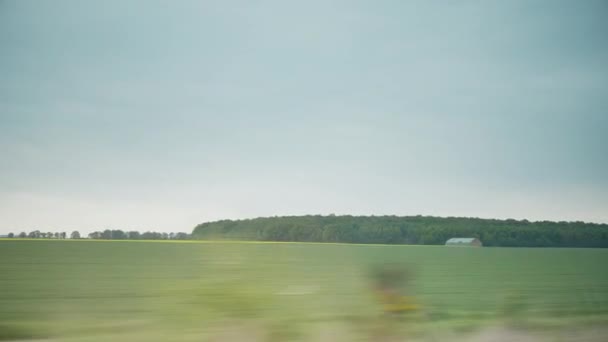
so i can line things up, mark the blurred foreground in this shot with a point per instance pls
(192, 291)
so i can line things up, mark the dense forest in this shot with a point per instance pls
(420, 230)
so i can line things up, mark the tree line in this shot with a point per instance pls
(114, 234)
(419, 230)
(36, 234)
(135, 235)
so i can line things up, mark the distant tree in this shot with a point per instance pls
(11, 235)
(49, 235)
(22, 235)
(43, 235)
(133, 235)
(118, 235)
(182, 236)
(95, 235)
(34, 234)
(63, 235)
(106, 234)
(151, 236)
(75, 235)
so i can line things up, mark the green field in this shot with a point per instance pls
(197, 291)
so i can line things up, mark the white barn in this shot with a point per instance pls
(464, 242)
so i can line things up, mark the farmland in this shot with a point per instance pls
(193, 291)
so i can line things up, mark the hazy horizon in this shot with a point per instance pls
(160, 116)
(86, 230)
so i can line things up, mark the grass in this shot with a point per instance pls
(157, 291)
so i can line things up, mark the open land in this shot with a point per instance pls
(83, 290)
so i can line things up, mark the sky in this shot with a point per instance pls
(160, 115)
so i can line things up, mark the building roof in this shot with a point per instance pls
(461, 240)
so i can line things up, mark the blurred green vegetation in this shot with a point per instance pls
(158, 291)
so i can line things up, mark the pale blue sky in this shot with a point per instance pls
(161, 114)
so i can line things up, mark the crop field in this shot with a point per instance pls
(63, 290)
